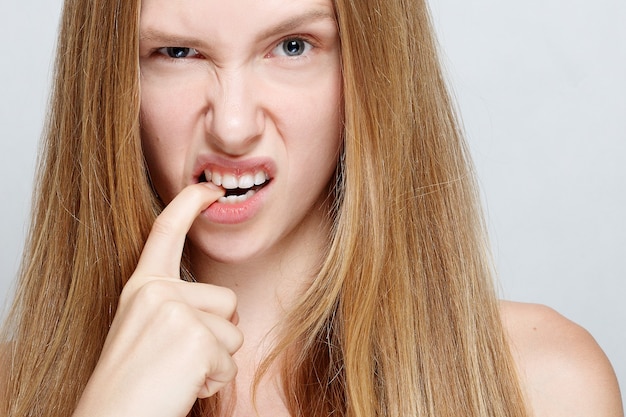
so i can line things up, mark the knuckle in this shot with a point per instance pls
(183, 324)
(153, 293)
(221, 373)
(229, 300)
(132, 288)
(229, 371)
(173, 315)
(202, 338)
(199, 336)
(220, 365)
(236, 341)
(162, 226)
(126, 295)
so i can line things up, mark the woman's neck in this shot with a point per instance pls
(268, 285)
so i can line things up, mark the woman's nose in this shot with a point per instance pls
(235, 119)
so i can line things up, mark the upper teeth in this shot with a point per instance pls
(230, 181)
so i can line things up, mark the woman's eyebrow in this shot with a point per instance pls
(295, 22)
(153, 34)
(168, 39)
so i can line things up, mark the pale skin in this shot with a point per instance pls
(563, 370)
(234, 102)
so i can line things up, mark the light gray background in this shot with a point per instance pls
(541, 86)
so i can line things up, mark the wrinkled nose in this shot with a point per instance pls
(235, 120)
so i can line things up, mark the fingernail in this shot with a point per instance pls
(213, 187)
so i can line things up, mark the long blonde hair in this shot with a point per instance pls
(402, 319)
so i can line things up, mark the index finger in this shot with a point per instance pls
(164, 246)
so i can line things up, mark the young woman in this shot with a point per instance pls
(267, 207)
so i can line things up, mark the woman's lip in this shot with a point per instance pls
(235, 213)
(235, 167)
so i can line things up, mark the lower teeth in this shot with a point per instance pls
(234, 199)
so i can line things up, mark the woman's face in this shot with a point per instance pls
(246, 94)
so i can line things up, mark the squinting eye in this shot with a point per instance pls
(177, 52)
(293, 47)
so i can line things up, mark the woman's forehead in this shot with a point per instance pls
(215, 17)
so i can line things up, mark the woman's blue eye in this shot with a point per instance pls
(178, 52)
(293, 47)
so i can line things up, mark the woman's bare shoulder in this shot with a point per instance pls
(563, 370)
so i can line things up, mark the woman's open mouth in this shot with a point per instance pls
(238, 188)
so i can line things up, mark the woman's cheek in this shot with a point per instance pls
(160, 150)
